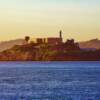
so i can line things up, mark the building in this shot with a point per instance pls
(49, 40)
(38, 40)
(53, 40)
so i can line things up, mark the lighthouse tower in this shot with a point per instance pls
(60, 36)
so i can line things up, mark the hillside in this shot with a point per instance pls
(8, 44)
(94, 43)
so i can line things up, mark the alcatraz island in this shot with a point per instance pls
(49, 49)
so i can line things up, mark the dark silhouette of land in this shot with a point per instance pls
(49, 49)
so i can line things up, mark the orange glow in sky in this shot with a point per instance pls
(77, 19)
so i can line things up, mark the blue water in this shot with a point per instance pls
(49, 80)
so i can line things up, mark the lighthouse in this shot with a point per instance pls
(60, 36)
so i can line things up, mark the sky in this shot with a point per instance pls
(78, 19)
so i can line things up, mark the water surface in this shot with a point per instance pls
(49, 80)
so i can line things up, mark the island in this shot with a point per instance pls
(49, 49)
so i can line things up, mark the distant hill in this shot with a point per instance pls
(8, 44)
(92, 44)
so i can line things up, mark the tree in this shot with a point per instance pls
(27, 38)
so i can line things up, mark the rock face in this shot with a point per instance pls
(92, 44)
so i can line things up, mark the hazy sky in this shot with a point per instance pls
(79, 19)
